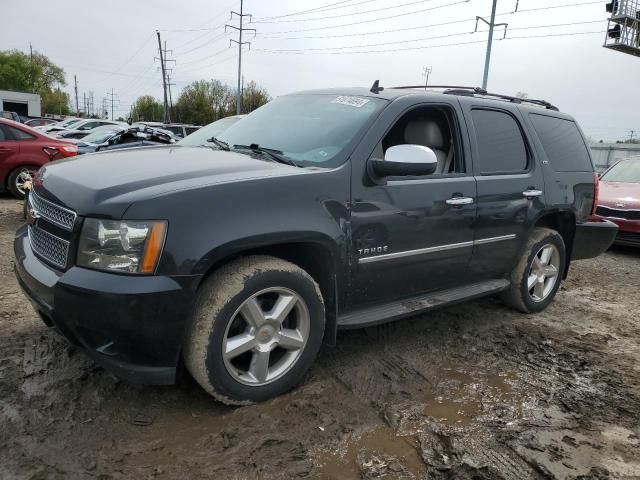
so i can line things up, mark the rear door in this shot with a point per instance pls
(510, 186)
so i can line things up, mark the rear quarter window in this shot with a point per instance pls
(562, 143)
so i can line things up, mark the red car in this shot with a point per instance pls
(619, 200)
(23, 151)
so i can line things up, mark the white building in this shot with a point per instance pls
(24, 104)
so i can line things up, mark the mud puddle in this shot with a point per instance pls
(379, 453)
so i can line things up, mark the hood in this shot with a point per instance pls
(619, 195)
(108, 182)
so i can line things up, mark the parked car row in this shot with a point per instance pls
(112, 137)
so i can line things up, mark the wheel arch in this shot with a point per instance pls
(317, 254)
(563, 222)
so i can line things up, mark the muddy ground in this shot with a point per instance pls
(471, 392)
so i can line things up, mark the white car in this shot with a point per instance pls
(61, 125)
(83, 127)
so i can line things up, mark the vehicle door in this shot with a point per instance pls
(412, 234)
(510, 187)
(9, 151)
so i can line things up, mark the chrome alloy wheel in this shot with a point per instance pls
(266, 336)
(25, 175)
(543, 273)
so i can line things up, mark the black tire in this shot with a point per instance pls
(217, 306)
(13, 178)
(518, 295)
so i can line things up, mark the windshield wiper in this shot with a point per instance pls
(219, 143)
(272, 153)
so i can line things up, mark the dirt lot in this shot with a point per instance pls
(471, 392)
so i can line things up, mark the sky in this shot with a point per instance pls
(112, 45)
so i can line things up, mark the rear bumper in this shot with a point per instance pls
(593, 238)
(131, 325)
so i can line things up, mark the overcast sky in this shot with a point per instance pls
(111, 45)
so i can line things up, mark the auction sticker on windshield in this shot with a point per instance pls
(351, 101)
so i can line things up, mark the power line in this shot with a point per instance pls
(414, 2)
(412, 40)
(322, 8)
(421, 27)
(303, 51)
(328, 27)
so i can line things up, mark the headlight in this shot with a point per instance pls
(121, 245)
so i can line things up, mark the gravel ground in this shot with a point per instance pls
(471, 392)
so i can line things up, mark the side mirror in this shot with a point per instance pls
(406, 160)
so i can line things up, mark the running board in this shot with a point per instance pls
(411, 306)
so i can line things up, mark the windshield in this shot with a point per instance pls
(100, 135)
(311, 129)
(627, 171)
(67, 123)
(200, 137)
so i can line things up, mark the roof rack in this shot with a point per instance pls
(477, 91)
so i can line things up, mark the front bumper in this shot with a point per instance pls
(592, 239)
(131, 325)
(628, 231)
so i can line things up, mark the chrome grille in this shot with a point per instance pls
(60, 216)
(51, 248)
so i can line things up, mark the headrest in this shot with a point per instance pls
(424, 132)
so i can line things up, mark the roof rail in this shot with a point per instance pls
(477, 91)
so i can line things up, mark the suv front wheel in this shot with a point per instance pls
(256, 330)
(537, 277)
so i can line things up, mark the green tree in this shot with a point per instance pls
(21, 72)
(147, 108)
(253, 97)
(55, 101)
(205, 101)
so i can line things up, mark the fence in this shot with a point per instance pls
(606, 154)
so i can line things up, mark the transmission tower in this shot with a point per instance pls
(240, 30)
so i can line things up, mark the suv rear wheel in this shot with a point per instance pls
(256, 330)
(537, 277)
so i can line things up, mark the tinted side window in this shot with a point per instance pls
(562, 143)
(3, 136)
(19, 134)
(500, 142)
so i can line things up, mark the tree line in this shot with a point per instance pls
(201, 102)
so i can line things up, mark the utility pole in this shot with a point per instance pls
(240, 29)
(75, 81)
(632, 134)
(113, 98)
(33, 87)
(426, 72)
(167, 118)
(492, 24)
(84, 104)
(163, 64)
(169, 85)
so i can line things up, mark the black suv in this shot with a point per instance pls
(321, 210)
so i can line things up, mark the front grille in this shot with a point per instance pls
(60, 216)
(632, 238)
(618, 213)
(51, 248)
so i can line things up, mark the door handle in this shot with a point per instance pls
(459, 201)
(532, 193)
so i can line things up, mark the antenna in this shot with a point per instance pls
(376, 88)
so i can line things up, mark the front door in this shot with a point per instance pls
(412, 235)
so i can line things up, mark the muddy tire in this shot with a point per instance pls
(16, 179)
(537, 277)
(257, 327)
